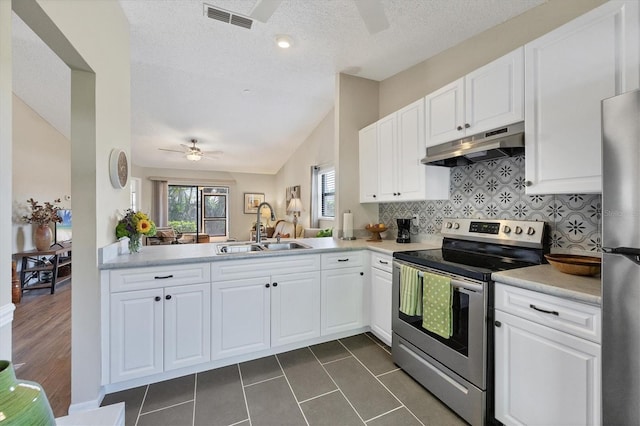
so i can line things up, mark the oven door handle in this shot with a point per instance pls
(462, 285)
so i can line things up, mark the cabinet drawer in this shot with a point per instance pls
(158, 276)
(344, 259)
(382, 261)
(578, 319)
(225, 270)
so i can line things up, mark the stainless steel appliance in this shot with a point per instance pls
(621, 260)
(495, 143)
(459, 369)
(404, 231)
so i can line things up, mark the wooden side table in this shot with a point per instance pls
(36, 262)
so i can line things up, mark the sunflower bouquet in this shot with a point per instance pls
(134, 225)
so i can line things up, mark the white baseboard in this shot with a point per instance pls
(87, 405)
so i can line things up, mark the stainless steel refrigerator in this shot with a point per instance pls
(621, 260)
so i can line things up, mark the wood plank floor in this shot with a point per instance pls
(42, 343)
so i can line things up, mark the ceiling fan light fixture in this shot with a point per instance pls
(284, 41)
(194, 156)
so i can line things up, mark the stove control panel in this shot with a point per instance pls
(525, 233)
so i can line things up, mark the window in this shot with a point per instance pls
(326, 193)
(199, 209)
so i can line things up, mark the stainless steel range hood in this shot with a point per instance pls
(501, 142)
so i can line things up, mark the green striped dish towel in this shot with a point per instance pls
(437, 301)
(410, 291)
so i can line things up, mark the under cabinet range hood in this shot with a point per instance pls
(504, 141)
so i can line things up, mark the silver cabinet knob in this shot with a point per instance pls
(518, 230)
(467, 125)
(506, 229)
(456, 225)
(528, 183)
(531, 231)
(459, 128)
(448, 225)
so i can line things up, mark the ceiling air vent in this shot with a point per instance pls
(227, 17)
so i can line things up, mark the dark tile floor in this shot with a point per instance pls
(350, 381)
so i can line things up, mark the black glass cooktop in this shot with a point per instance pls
(477, 261)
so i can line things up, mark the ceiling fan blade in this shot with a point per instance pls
(263, 9)
(372, 13)
(171, 150)
(212, 153)
(187, 147)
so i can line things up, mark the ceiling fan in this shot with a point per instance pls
(371, 12)
(193, 153)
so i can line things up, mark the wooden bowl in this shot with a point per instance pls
(375, 230)
(575, 265)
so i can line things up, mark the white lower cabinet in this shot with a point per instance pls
(157, 330)
(253, 314)
(342, 292)
(381, 266)
(543, 374)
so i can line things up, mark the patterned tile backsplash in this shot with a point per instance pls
(496, 190)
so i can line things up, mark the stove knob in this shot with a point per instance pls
(506, 229)
(456, 225)
(518, 230)
(531, 231)
(448, 225)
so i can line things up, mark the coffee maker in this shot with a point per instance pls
(404, 228)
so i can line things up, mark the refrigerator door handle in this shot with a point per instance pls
(630, 253)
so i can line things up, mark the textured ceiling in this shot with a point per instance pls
(232, 88)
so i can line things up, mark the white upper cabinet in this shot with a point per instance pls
(368, 162)
(489, 97)
(569, 71)
(399, 175)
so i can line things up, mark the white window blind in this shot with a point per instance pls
(327, 193)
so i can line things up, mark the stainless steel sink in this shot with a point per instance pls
(238, 248)
(292, 245)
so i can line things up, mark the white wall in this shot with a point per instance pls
(41, 169)
(239, 223)
(316, 150)
(92, 37)
(6, 307)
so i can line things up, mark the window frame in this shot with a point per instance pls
(320, 194)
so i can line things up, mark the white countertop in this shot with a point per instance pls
(206, 252)
(547, 279)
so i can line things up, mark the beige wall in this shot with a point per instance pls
(356, 107)
(428, 76)
(239, 223)
(316, 150)
(41, 168)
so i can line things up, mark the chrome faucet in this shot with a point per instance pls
(273, 217)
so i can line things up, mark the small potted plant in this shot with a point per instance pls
(41, 216)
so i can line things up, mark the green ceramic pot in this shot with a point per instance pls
(22, 402)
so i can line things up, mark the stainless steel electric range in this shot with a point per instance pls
(458, 369)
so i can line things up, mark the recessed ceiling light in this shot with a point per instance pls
(284, 41)
(246, 91)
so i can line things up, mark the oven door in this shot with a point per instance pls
(465, 352)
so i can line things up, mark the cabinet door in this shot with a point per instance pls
(544, 376)
(387, 136)
(368, 162)
(444, 113)
(295, 307)
(569, 72)
(494, 94)
(342, 294)
(240, 316)
(136, 334)
(381, 304)
(187, 325)
(410, 149)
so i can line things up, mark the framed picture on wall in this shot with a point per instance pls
(251, 202)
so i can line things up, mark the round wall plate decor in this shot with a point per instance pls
(118, 168)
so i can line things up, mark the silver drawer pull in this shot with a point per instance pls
(544, 310)
(163, 278)
(343, 260)
(383, 262)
